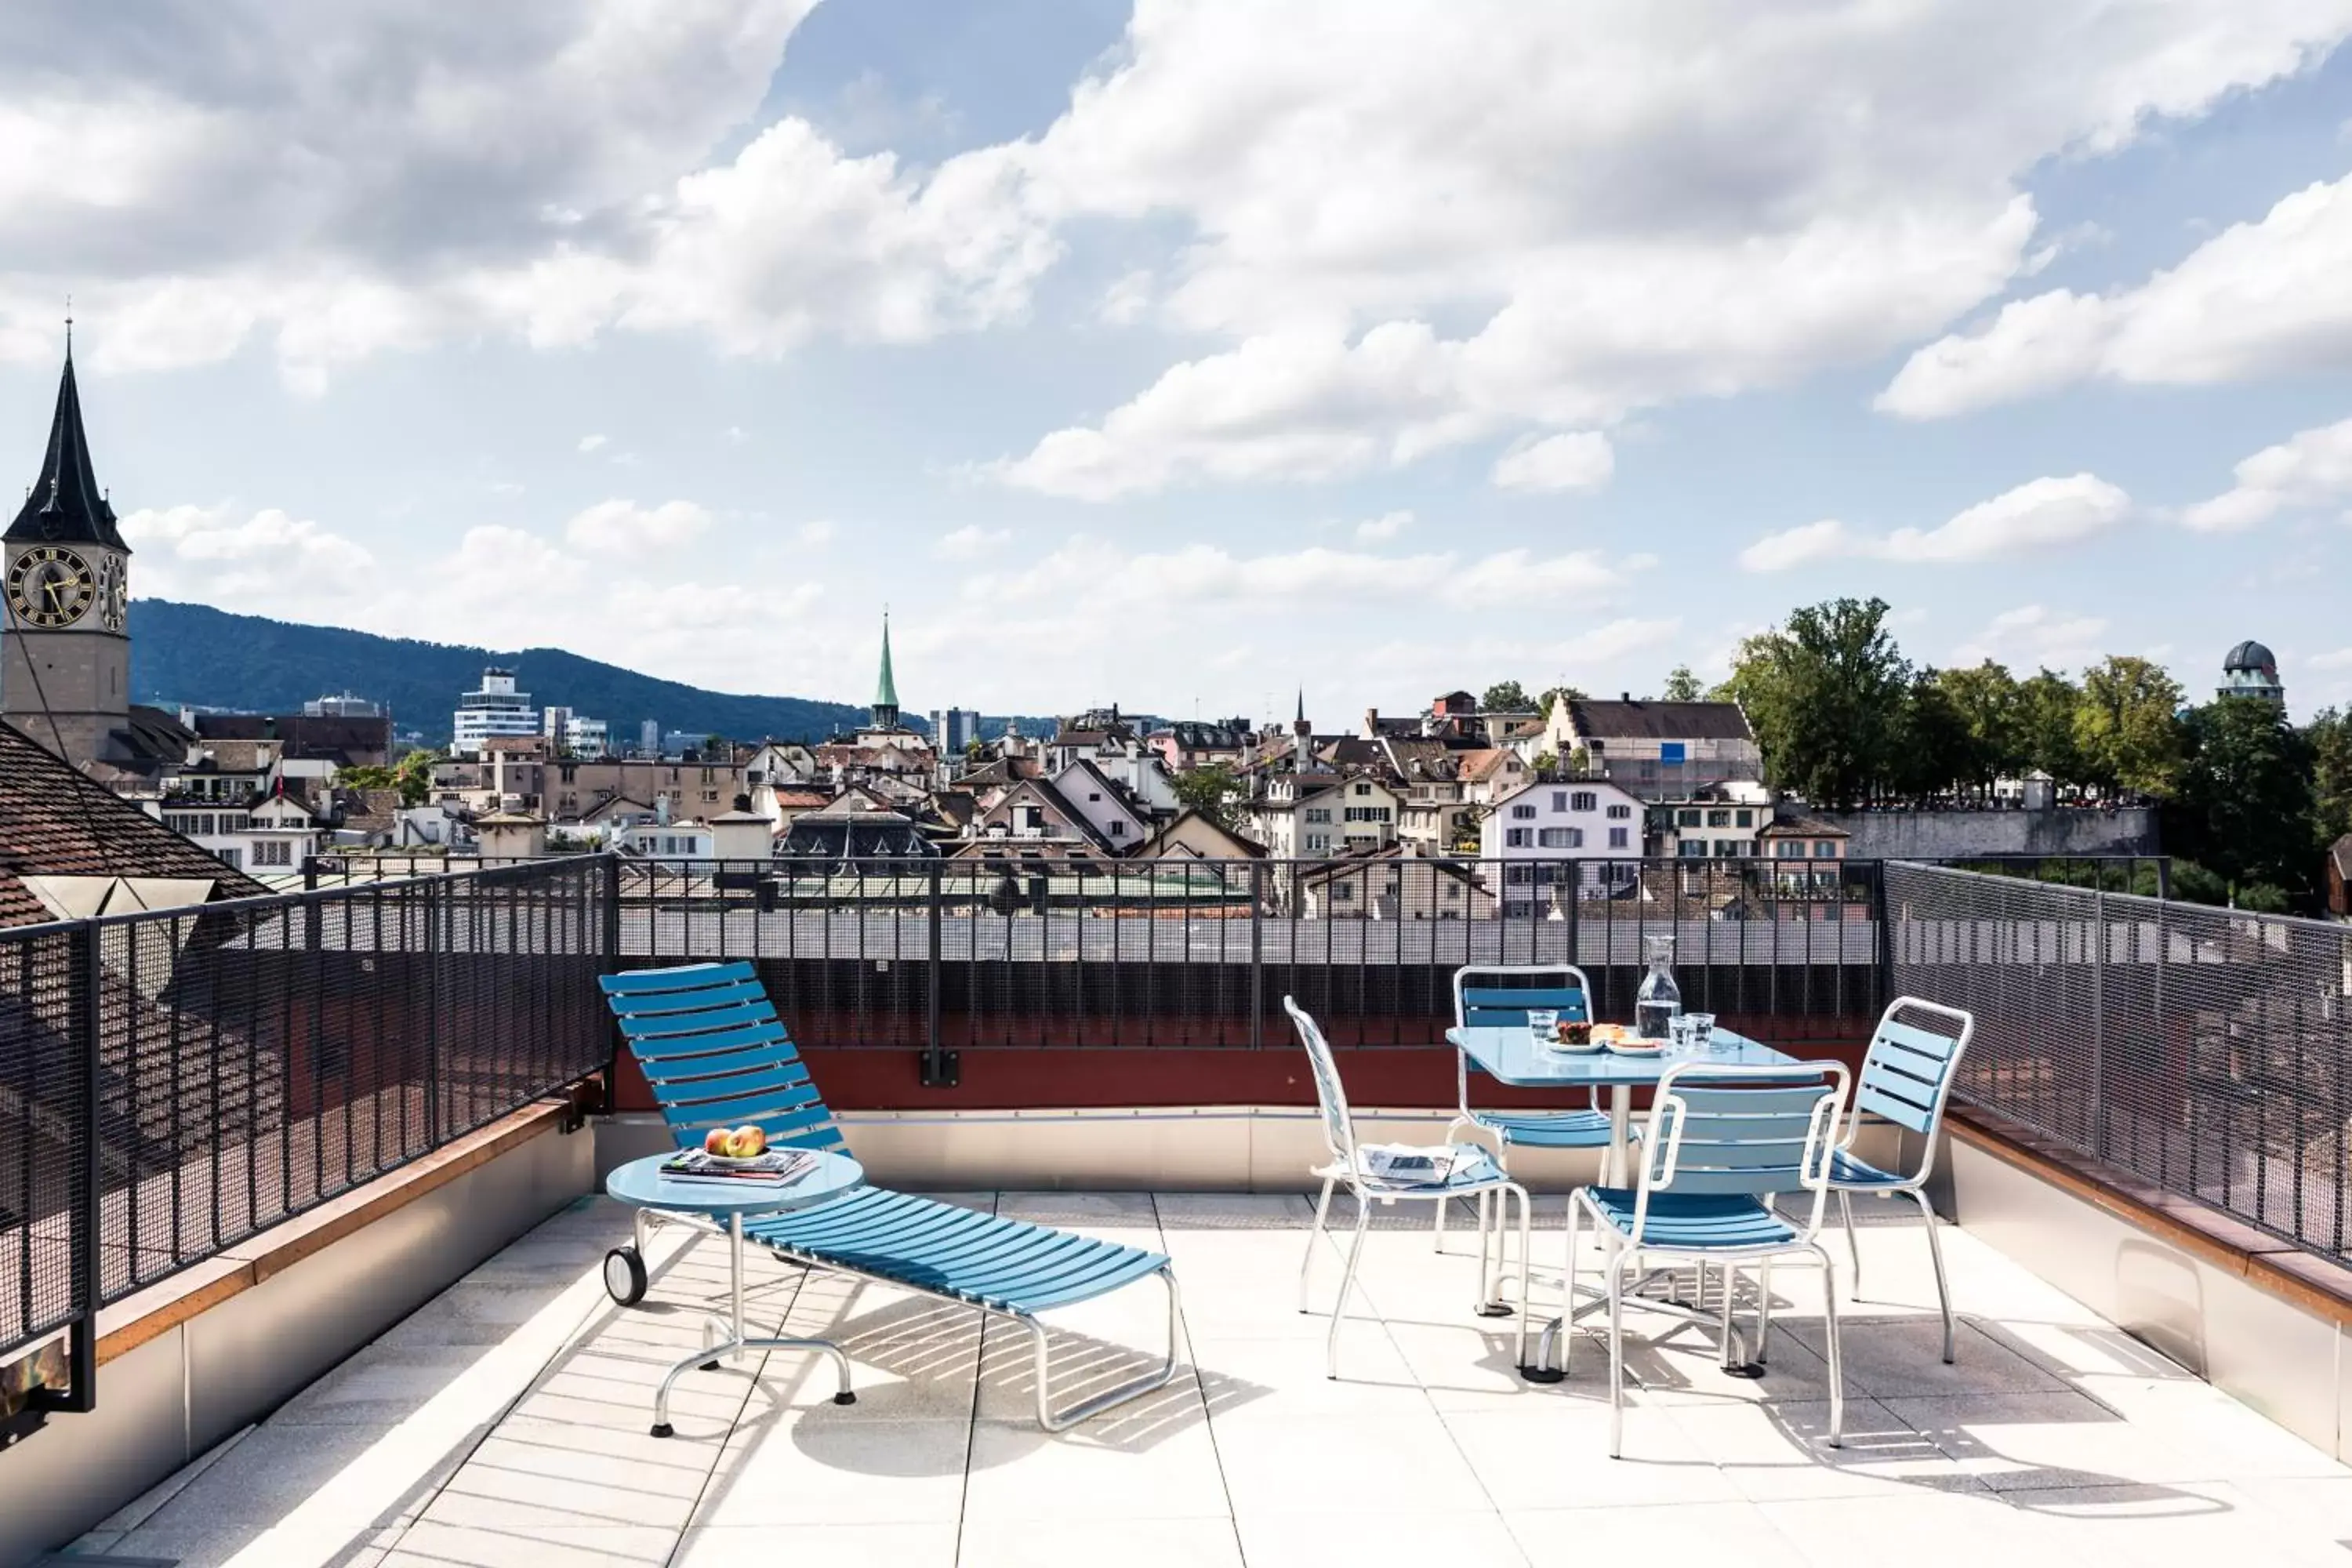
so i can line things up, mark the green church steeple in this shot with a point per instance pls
(886, 690)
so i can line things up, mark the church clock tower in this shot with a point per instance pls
(64, 671)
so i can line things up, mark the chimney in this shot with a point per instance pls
(1625, 696)
(1372, 723)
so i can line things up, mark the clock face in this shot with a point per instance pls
(49, 586)
(113, 593)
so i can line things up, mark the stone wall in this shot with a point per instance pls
(1957, 834)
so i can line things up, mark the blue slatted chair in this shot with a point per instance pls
(716, 1055)
(1501, 995)
(1907, 1078)
(1472, 1173)
(1720, 1144)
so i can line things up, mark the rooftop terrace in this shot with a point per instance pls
(505, 1423)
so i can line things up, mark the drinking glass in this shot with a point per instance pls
(1543, 1022)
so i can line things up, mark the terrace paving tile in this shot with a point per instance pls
(505, 1422)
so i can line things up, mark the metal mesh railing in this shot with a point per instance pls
(256, 1059)
(966, 952)
(2206, 1050)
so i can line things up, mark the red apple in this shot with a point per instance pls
(714, 1142)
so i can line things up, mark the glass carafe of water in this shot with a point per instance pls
(1659, 999)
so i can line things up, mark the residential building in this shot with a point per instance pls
(849, 831)
(1660, 751)
(1550, 835)
(1390, 883)
(1805, 858)
(1102, 803)
(1489, 774)
(1187, 744)
(71, 847)
(312, 745)
(668, 843)
(1721, 822)
(2251, 670)
(493, 707)
(1193, 836)
(575, 734)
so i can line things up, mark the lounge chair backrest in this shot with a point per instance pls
(1907, 1074)
(1755, 1131)
(716, 1055)
(1339, 1129)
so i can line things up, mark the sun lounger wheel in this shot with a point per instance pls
(625, 1276)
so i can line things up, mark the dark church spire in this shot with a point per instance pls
(67, 507)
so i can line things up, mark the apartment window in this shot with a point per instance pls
(1523, 813)
(1515, 838)
(1319, 814)
(1118, 830)
(1745, 818)
(1343, 892)
(1617, 838)
(1692, 849)
(1553, 837)
(233, 859)
(273, 852)
(1620, 813)
(1518, 875)
(1824, 850)
(1453, 890)
(1726, 848)
(1363, 789)
(1560, 800)
(1583, 800)
(1718, 818)
(1788, 849)
(1318, 841)
(1687, 819)
(1095, 795)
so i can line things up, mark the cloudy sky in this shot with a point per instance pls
(1186, 354)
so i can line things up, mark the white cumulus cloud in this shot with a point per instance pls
(1573, 460)
(2258, 299)
(2038, 515)
(2033, 637)
(971, 541)
(591, 443)
(624, 528)
(1381, 529)
(262, 562)
(2310, 468)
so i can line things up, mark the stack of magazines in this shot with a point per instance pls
(773, 1168)
(1407, 1165)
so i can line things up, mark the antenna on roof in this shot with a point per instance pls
(69, 326)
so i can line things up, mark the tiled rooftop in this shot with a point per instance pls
(506, 1423)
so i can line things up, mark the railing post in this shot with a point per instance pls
(432, 1018)
(2098, 1117)
(82, 1347)
(1258, 955)
(941, 1068)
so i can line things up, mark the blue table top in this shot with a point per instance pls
(1513, 1055)
(641, 1182)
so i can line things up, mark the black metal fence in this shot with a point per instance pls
(173, 1082)
(948, 955)
(2206, 1050)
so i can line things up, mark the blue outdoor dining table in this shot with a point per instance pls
(1509, 1054)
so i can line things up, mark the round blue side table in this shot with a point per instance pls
(641, 1184)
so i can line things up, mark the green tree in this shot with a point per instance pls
(363, 778)
(1505, 696)
(1932, 747)
(2244, 808)
(1681, 686)
(1826, 694)
(1210, 790)
(1990, 705)
(2046, 702)
(2126, 728)
(413, 775)
(2329, 737)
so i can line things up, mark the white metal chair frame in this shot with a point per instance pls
(1346, 1167)
(1890, 1087)
(1631, 1253)
(1467, 1120)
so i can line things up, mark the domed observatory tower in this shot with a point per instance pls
(2251, 670)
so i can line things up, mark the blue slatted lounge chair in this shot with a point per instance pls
(1499, 996)
(716, 1055)
(1720, 1144)
(1471, 1174)
(1907, 1078)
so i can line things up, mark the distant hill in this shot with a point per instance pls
(206, 657)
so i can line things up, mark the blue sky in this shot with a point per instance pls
(1184, 355)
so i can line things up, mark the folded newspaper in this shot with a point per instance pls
(1410, 1165)
(773, 1168)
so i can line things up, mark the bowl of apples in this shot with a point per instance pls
(735, 1145)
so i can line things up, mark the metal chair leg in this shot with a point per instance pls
(1763, 1308)
(1314, 1239)
(1837, 1367)
(1853, 1247)
(1527, 1267)
(1616, 1356)
(1568, 1310)
(1347, 1282)
(1936, 1252)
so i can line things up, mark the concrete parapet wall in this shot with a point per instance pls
(1956, 835)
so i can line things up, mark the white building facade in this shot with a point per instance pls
(1573, 838)
(496, 708)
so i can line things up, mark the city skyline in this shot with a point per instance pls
(1076, 337)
